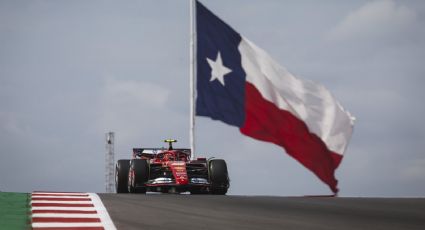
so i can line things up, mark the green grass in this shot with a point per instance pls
(14, 211)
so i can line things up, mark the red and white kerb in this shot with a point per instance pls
(58, 210)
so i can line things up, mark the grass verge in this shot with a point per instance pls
(14, 211)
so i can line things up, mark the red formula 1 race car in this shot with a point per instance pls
(170, 171)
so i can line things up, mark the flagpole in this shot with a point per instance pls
(192, 75)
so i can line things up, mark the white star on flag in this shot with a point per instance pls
(218, 70)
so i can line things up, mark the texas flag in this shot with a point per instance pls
(241, 85)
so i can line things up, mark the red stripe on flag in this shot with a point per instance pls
(65, 211)
(64, 220)
(266, 122)
(71, 228)
(60, 205)
(62, 199)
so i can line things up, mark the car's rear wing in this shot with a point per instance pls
(151, 152)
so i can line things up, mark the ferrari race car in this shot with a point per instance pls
(170, 171)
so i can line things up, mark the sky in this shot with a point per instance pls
(70, 71)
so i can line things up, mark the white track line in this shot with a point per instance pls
(59, 202)
(60, 197)
(64, 208)
(102, 212)
(59, 194)
(64, 215)
(65, 225)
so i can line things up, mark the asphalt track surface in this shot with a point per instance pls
(137, 211)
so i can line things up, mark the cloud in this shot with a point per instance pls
(142, 93)
(415, 170)
(9, 124)
(377, 19)
(130, 107)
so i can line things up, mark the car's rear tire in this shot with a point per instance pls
(138, 175)
(219, 177)
(121, 174)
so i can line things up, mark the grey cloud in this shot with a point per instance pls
(376, 19)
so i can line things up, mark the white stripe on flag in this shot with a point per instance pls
(309, 101)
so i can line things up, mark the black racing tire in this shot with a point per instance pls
(121, 176)
(138, 175)
(219, 177)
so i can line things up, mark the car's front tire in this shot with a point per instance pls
(138, 175)
(219, 177)
(121, 171)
